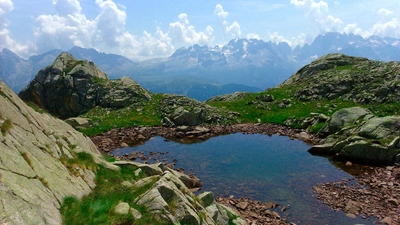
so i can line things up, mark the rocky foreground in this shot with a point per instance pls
(375, 194)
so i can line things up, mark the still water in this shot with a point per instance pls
(264, 168)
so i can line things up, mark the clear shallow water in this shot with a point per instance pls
(273, 169)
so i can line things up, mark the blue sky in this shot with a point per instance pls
(143, 29)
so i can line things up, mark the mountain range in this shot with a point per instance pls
(201, 72)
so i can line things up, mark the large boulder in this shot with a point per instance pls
(356, 134)
(70, 87)
(170, 200)
(343, 118)
(34, 174)
(381, 127)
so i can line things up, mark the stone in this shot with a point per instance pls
(78, 122)
(265, 98)
(303, 136)
(136, 214)
(207, 198)
(122, 208)
(124, 145)
(387, 220)
(352, 207)
(351, 215)
(127, 184)
(242, 205)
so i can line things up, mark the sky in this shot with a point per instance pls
(144, 29)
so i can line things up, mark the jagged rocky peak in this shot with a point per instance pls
(68, 64)
(71, 87)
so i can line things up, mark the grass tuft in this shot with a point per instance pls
(6, 126)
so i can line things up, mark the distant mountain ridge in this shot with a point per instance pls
(250, 63)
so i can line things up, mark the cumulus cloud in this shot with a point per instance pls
(390, 28)
(300, 40)
(65, 7)
(386, 26)
(183, 32)
(385, 12)
(6, 41)
(233, 29)
(106, 32)
(219, 11)
(253, 36)
(319, 12)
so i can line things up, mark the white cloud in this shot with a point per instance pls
(55, 31)
(386, 27)
(385, 12)
(300, 40)
(182, 32)
(389, 28)
(6, 41)
(219, 11)
(233, 29)
(106, 32)
(110, 23)
(253, 36)
(65, 7)
(319, 12)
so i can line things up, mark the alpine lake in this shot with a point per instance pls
(261, 167)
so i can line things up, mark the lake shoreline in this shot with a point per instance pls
(124, 137)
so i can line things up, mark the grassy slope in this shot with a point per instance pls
(149, 114)
(98, 207)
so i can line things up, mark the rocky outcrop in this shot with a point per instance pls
(70, 87)
(349, 78)
(356, 134)
(178, 110)
(34, 173)
(169, 199)
(228, 97)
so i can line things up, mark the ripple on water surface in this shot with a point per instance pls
(265, 168)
